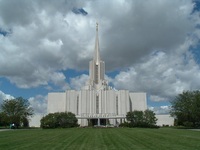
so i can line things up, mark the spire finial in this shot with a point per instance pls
(97, 26)
(96, 55)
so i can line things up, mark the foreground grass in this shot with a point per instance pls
(93, 138)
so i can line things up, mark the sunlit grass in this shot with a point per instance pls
(100, 138)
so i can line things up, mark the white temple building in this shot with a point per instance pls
(97, 103)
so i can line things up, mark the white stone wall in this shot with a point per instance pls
(123, 100)
(71, 101)
(139, 101)
(165, 120)
(35, 120)
(56, 102)
(110, 101)
(67, 101)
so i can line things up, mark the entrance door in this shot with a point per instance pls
(93, 122)
(103, 122)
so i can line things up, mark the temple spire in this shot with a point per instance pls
(97, 26)
(97, 68)
(97, 54)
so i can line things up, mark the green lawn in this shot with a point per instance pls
(100, 138)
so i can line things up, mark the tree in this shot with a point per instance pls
(150, 118)
(3, 119)
(49, 121)
(186, 109)
(135, 118)
(141, 119)
(59, 120)
(17, 110)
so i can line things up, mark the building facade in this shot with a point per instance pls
(97, 103)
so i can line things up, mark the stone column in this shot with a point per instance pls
(98, 121)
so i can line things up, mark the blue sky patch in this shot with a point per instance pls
(4, 32)
(197, 5)
(79, 11)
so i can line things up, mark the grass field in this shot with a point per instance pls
(100, 138)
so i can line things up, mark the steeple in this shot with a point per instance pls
(97, 54)
(97, 69)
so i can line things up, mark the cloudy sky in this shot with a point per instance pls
(148, 46)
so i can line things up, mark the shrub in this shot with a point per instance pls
(59, 120)
(141, 119)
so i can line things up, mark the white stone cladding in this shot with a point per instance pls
(138, 101)
(84, 103)
(97, 100)
(165, 120)
(56, 102)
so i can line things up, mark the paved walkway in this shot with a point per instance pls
(4, 130)
(195, 129)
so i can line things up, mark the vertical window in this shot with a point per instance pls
(77, 105)
(117, 106)
(97, 104)
(96, 74)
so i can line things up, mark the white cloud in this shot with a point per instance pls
(157, 98)
(161, 109)
(147, 26)
(58, 79)
(161, 75)
(4, 96)
(40, 45)
(39, 104)
(79, 81)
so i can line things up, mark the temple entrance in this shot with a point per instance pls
(93, 122)
(103, 122)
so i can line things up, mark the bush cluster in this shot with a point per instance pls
(141, 119)
(59, 120)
